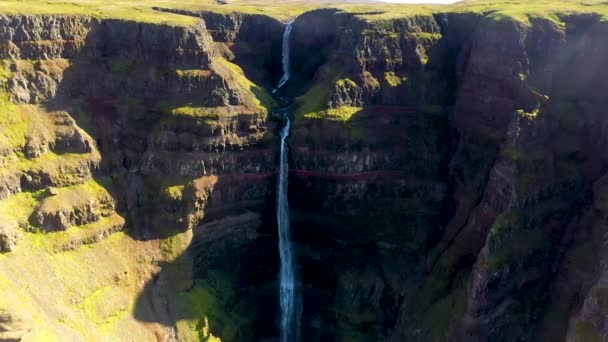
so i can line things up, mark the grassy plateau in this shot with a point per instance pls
(147, 10)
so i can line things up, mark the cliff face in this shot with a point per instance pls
(110, 125)
(439, 142)
(447, 177)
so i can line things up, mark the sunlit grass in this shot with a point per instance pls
(144, 10)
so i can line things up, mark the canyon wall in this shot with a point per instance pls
(447, 177)
(456, 158)
(146, 129)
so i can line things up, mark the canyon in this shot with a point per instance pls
(447, 179)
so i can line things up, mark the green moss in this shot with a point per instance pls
(71, 196)
(263, 100)
(423, 55)
(207, 304)
(76, 236)
(20, 206)
(314, 100)
(370, 81)
(87, 293)
(432, 36)
(65, 170)
(174, 192)
(517, 235)
(394, 80)
(5, 72)
(142, 10)
(530, 116)
(342, 114)
(196, 112)
(14, 124)
(98, 308)
(346, 82)
(498, 11)
(197, 302)
(583, 331)
(192, 73)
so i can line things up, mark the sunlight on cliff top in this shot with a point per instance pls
(149, 10)
(420, 1)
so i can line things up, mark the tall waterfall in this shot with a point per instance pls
(289, 296)
(285, 57)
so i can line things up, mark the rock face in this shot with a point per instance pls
(9, 235)
(13, 327)
(447, 173)
(456, 208)
(115, 124)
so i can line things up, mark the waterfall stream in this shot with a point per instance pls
(285, 58)
(288, 293)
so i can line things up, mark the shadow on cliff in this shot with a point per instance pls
(226, 276)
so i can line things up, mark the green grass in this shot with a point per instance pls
(346, 82)
(314, 100)
(174, 192)
(370, 81)
(143, 10)
(205, 304)
(394, 80)
(192, 73)
(342, 114)
(198, 302)
(316, 97)
(196, 112)
(140, 11)
(64, 170)
(14, 124)
(313, 104)
(87, 293)
(262, 99)
(76, 236)
(495, 10)
(20, 206)
(530, 116)
(72, 196)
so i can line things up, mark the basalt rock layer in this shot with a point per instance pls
(133, 139)
(447, 178)
(459, 184)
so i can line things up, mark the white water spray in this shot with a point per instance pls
(289, 296)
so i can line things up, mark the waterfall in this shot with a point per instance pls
(285, 57)
(288, 293)
(289, 296)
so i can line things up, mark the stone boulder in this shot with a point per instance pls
(9, 236)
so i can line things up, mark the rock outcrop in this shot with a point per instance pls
(13, 327)
(10, 234)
